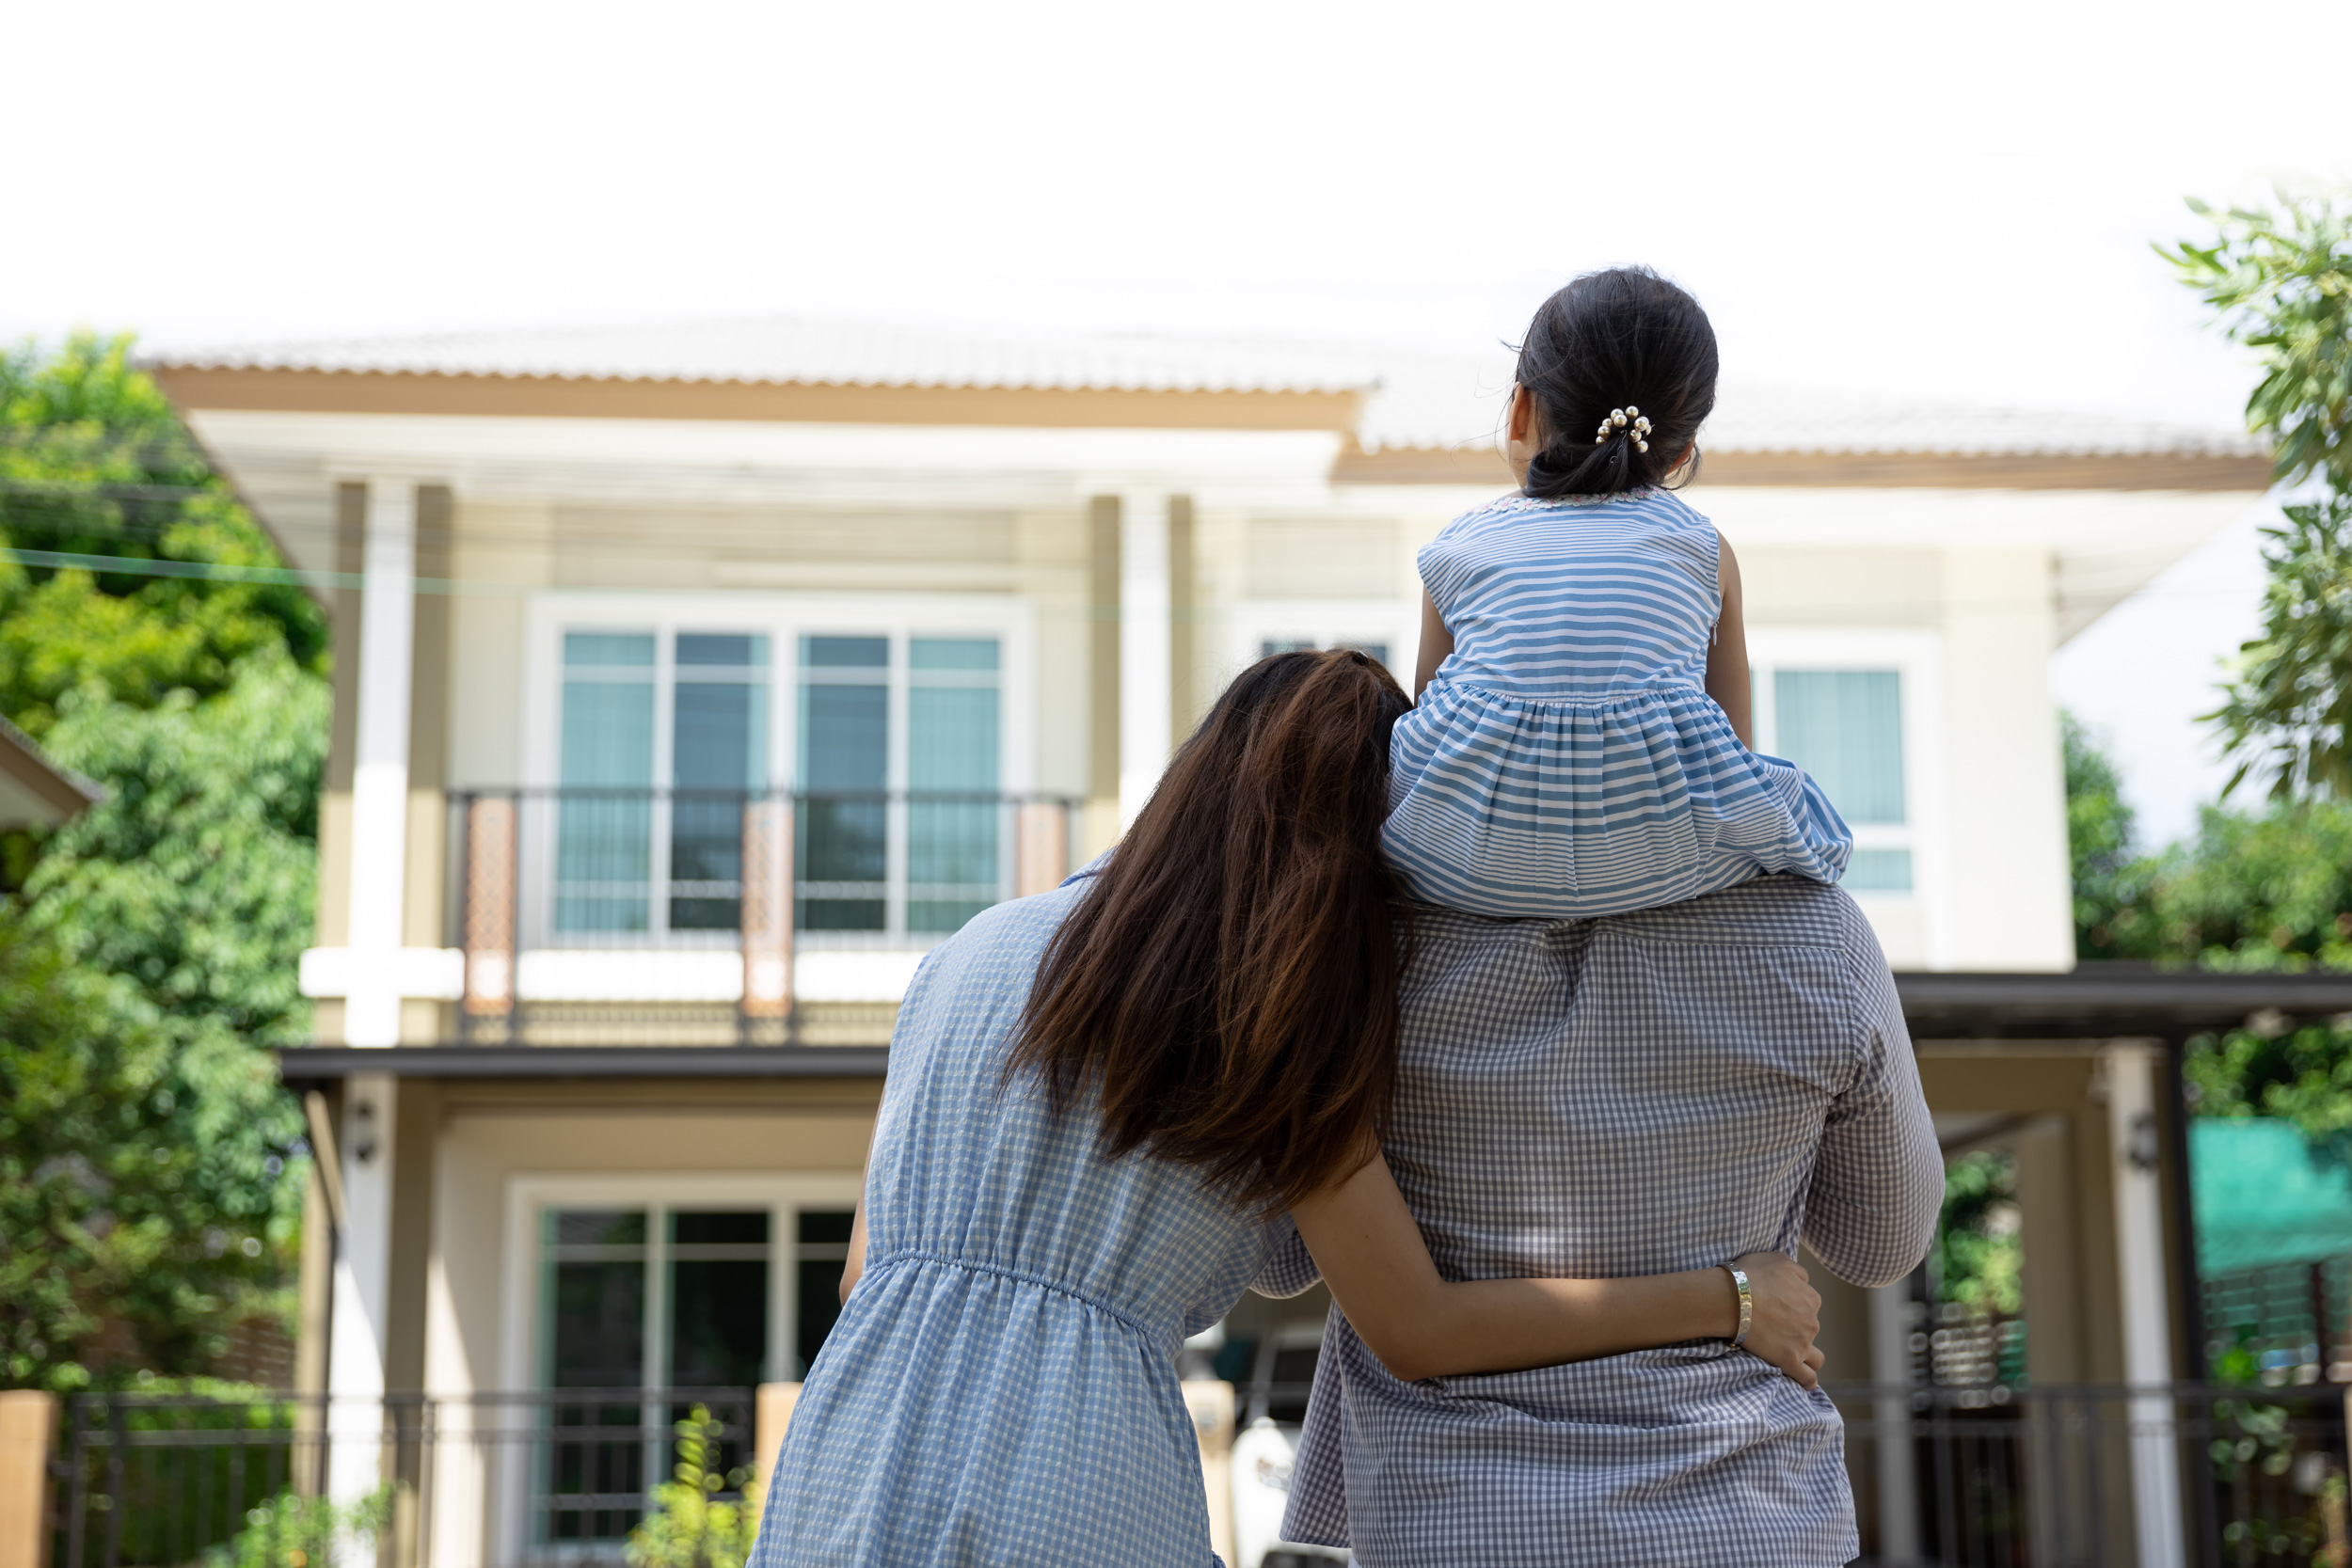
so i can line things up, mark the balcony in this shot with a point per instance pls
(602, 917)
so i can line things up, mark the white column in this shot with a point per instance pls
(379, 784)
(2135, 1078)
(1890, 1369)
(1146, 672)
(358, 1330)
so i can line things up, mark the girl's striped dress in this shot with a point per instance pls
(1567, 762)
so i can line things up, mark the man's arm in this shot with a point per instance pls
(1878, 1183)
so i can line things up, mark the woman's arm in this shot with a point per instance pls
(1371, 1255)
(1436, 644)
(1727, 679)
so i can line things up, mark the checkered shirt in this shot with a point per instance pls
(1634, 1095)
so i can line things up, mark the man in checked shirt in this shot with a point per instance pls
(1630, 1095)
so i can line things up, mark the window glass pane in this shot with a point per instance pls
(595, 1306)
(1845, 727)
(824, 1236)
(733, 1227)
(845, 653)
(592, 1303)
(1273, 645)
(612, 649)
(596, 1227)
(720, 743)
(1878, 871)
(951, 843)
(842, 823)
(604, 843)
(697, 649)
(952, 653)
(719, 1299)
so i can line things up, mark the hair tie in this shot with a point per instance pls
(1629, 418)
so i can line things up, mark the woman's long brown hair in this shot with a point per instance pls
(1228, 987)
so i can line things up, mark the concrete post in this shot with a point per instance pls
(771, 1416)
(2134, 1076)
(379, 780)
(361, 1289)
(1146, 672)
(28, 1429)
(1891, 1369)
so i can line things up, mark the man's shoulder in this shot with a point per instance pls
(1767, 911)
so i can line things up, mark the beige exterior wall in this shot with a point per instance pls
(494, 1136)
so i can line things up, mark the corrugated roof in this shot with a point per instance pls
(1413, 397)
(815, 352)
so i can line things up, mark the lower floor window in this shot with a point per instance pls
(648, 1311)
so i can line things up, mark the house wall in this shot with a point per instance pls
(492, 1134)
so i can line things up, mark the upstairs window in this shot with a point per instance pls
(1845, 727)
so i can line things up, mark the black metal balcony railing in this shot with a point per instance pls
(757, 873)
(1991, 1477)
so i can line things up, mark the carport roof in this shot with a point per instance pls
(2094, 1002)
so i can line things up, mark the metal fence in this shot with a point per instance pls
(1989, 1477)
(545, 1479)
(2055, 1477)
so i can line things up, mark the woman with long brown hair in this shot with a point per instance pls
(1106, 1106)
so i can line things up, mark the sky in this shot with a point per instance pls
(1925, 201)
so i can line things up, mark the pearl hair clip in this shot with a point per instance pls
(1625, 419)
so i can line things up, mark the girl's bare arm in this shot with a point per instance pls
(1727, 679)
(1371, 1255)
(1436, 644)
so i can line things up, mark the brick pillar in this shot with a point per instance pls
(1041, 848)
(28, 1429)
(489, 921)
(767, 917)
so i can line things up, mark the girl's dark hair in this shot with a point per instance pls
(1228, 987)
(1620, 339)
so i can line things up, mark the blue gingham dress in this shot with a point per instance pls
(1565, 760)
(1001, 1387)
(1653, 1091)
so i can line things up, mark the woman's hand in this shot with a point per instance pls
(1788, 1317)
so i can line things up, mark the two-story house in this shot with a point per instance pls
(692, 681)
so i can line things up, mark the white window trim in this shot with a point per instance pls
(784, 618)
(1250, 623)
(1915, 656)
(521, 1348)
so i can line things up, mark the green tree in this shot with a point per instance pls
(2287, 710)
(130, 1200)
(95, 464)
(2099, 841)
(2281, 281)
(148, 1156)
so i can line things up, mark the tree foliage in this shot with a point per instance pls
(2263, 890)
(141, 1165)
(93, 463)
(148, 1159)
(2098, 838)
(2281, 279)
(688, 1525)
(2288, 709)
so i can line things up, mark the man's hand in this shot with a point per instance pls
(1788, 1316)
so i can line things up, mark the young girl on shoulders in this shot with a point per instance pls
(1580, 745)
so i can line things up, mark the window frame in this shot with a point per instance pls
(784, 618)
(1328, 623)
(523, 1347)
(1915, 657)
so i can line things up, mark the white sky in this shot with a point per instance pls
(1928, 200)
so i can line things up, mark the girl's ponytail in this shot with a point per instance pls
(1614, 342)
